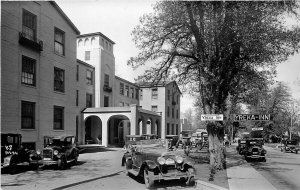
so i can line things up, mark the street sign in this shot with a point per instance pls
(245, 117)
(211, 117)
(258, 129)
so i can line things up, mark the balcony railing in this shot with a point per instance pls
(34, 43)
(107, 88)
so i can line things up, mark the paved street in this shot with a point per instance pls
(281, 171)
(98, 170)
(101, 169)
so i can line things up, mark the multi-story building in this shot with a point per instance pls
(163, 98)
(38, 71)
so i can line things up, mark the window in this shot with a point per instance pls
(77, 72)
(121, 88)
(176, 114)
(136, 93)
(168, 128)
(89, 77)
(59, 80)
(77, 124)
(154, 93)
(106, 101)
(176, 129)
(168, 94)
(173, 132)
(29, 25)
(87, 55)
(172, 112)
(77, 94)
(58, 118)
(59, 41)
(127, 90)
(132, 92)
(106, 80)
(121, 104)
(154, 108)
(28, 115)
(168, 111)
(28, 71)
(141, 94)
(89, 100)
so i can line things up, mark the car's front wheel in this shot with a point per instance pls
(61, 163)
(148, 178)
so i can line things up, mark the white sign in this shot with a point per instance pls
(258, 129)
(211, 117)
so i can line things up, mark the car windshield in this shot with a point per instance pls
(153, 144)
(292, 142)
(56, 142)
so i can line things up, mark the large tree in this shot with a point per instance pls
(221, 50)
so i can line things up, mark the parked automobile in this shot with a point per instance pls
(59, 151)
(290, 145)
(184, 142)
(254, 150)
(149, 136)
(241, 146)
(14, 154)
(152, 160)
(172, 141)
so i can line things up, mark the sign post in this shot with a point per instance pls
(211, 117)
(253, 117)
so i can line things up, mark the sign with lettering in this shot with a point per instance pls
(258, 129)
(254, 117)
(211, 117)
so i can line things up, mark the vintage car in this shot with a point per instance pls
(59, 151)
(290, 145)
(14, 154)
(172, 141)
(241, 146)
(254, 150)
(152, 160)
(185, 142)
(149, 136)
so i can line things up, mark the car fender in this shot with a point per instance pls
(59, 156)
(150, 164)
(7, 160)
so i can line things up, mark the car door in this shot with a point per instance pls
(137, 158)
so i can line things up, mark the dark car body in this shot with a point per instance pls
(241, 146)
(152, 160)
(254, 150)
(185, 142)
(290, 145)
(172, 141)
(59, 150)
(13, 153)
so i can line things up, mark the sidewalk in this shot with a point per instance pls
(241, 176)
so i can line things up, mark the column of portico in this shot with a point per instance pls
(105, 130)
(133, 118)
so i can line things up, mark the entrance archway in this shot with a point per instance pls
(93, 130)
(118, 128)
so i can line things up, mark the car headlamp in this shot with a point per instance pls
(38, 152)
(161, 160)
(179, 159)
(55, 152)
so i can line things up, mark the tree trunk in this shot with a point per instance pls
(216, 148)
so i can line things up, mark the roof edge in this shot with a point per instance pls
(61, 12)
(96, 33)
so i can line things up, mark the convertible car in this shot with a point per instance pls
(152, 160)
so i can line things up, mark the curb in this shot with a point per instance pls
(202, 185)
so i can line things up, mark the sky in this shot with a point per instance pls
(117, 18)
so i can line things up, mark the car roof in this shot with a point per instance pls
(61, 137)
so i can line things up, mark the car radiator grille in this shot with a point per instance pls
(168, 168)
(47, 153)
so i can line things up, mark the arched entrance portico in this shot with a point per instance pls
(93, 130)
(118, 128)
(117, 122)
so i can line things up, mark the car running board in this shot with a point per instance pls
(133, 172)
